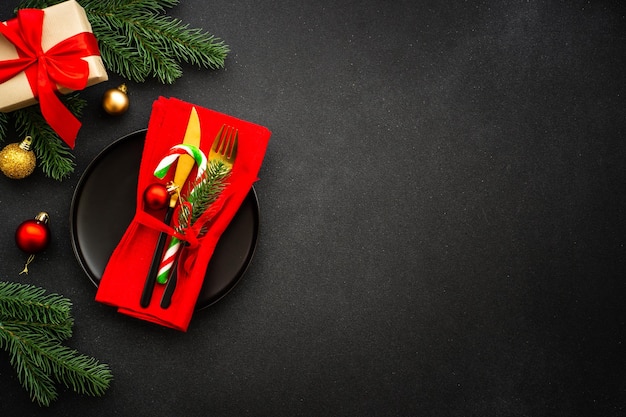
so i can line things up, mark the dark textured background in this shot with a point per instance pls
(442, 218)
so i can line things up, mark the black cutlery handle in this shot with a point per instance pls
(166, 299)
(148, 288)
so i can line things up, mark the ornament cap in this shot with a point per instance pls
(26, 143)
(42, 217)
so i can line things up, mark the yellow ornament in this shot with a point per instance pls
(115, 101)
(17, 161)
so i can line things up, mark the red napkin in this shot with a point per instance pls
(125, 274)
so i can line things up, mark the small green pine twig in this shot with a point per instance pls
(153, 6)
(46, 313)
(31, 303)
(37, 4)
(40, 361)
(138, 45)
(32, 326)
(203, 192)
(33, 378)
(55, 158)
(4, 121)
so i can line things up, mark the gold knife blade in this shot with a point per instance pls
(185, 162)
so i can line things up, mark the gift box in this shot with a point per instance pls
(45, 51)
(60, 22)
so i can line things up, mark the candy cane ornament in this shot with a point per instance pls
(174, 153)
(161, 170)
(168, 260)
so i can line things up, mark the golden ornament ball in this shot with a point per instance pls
(115, 101)
(17, 161)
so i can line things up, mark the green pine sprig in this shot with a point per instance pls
(155, 5)
(54, 157)
(20, 305)
(4, 121)
(203, 192)
(138, 43)
(32, 326)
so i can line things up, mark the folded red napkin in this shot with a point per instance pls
(125, 274)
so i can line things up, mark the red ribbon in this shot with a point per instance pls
(60, 65)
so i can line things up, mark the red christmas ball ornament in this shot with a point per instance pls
(156, 196)
(32, 236)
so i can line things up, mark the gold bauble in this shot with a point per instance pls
(115, 101)
(17, 161)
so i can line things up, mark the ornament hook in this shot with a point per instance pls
(28, 261)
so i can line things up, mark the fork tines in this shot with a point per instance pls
(226, 142)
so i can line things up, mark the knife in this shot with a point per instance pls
(183, 169)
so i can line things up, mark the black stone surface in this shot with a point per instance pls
(442, 218)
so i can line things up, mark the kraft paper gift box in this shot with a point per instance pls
(60, 22)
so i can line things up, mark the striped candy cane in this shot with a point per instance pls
(174, 153)
(168, 260)
(161, 170)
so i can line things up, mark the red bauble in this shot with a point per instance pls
(156, 196)
(32, 236)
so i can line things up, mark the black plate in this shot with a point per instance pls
(104, 205)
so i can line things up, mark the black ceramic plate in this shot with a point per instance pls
(104, 205)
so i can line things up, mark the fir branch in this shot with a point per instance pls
(99, 6)
(129, 49)
(118, 55)
(29, 303)
(34, 379)
(40, 360)
(186, 44)
(34, 346)
(138, 46)
(4, 120)
(154, 6)
(36, 4)
(56, 331)
(209, 189)
(203, 192)
(55, 158)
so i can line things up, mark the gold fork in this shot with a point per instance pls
(224, 146)
(224, 149)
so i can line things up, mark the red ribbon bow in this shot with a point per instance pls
(60, 65)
